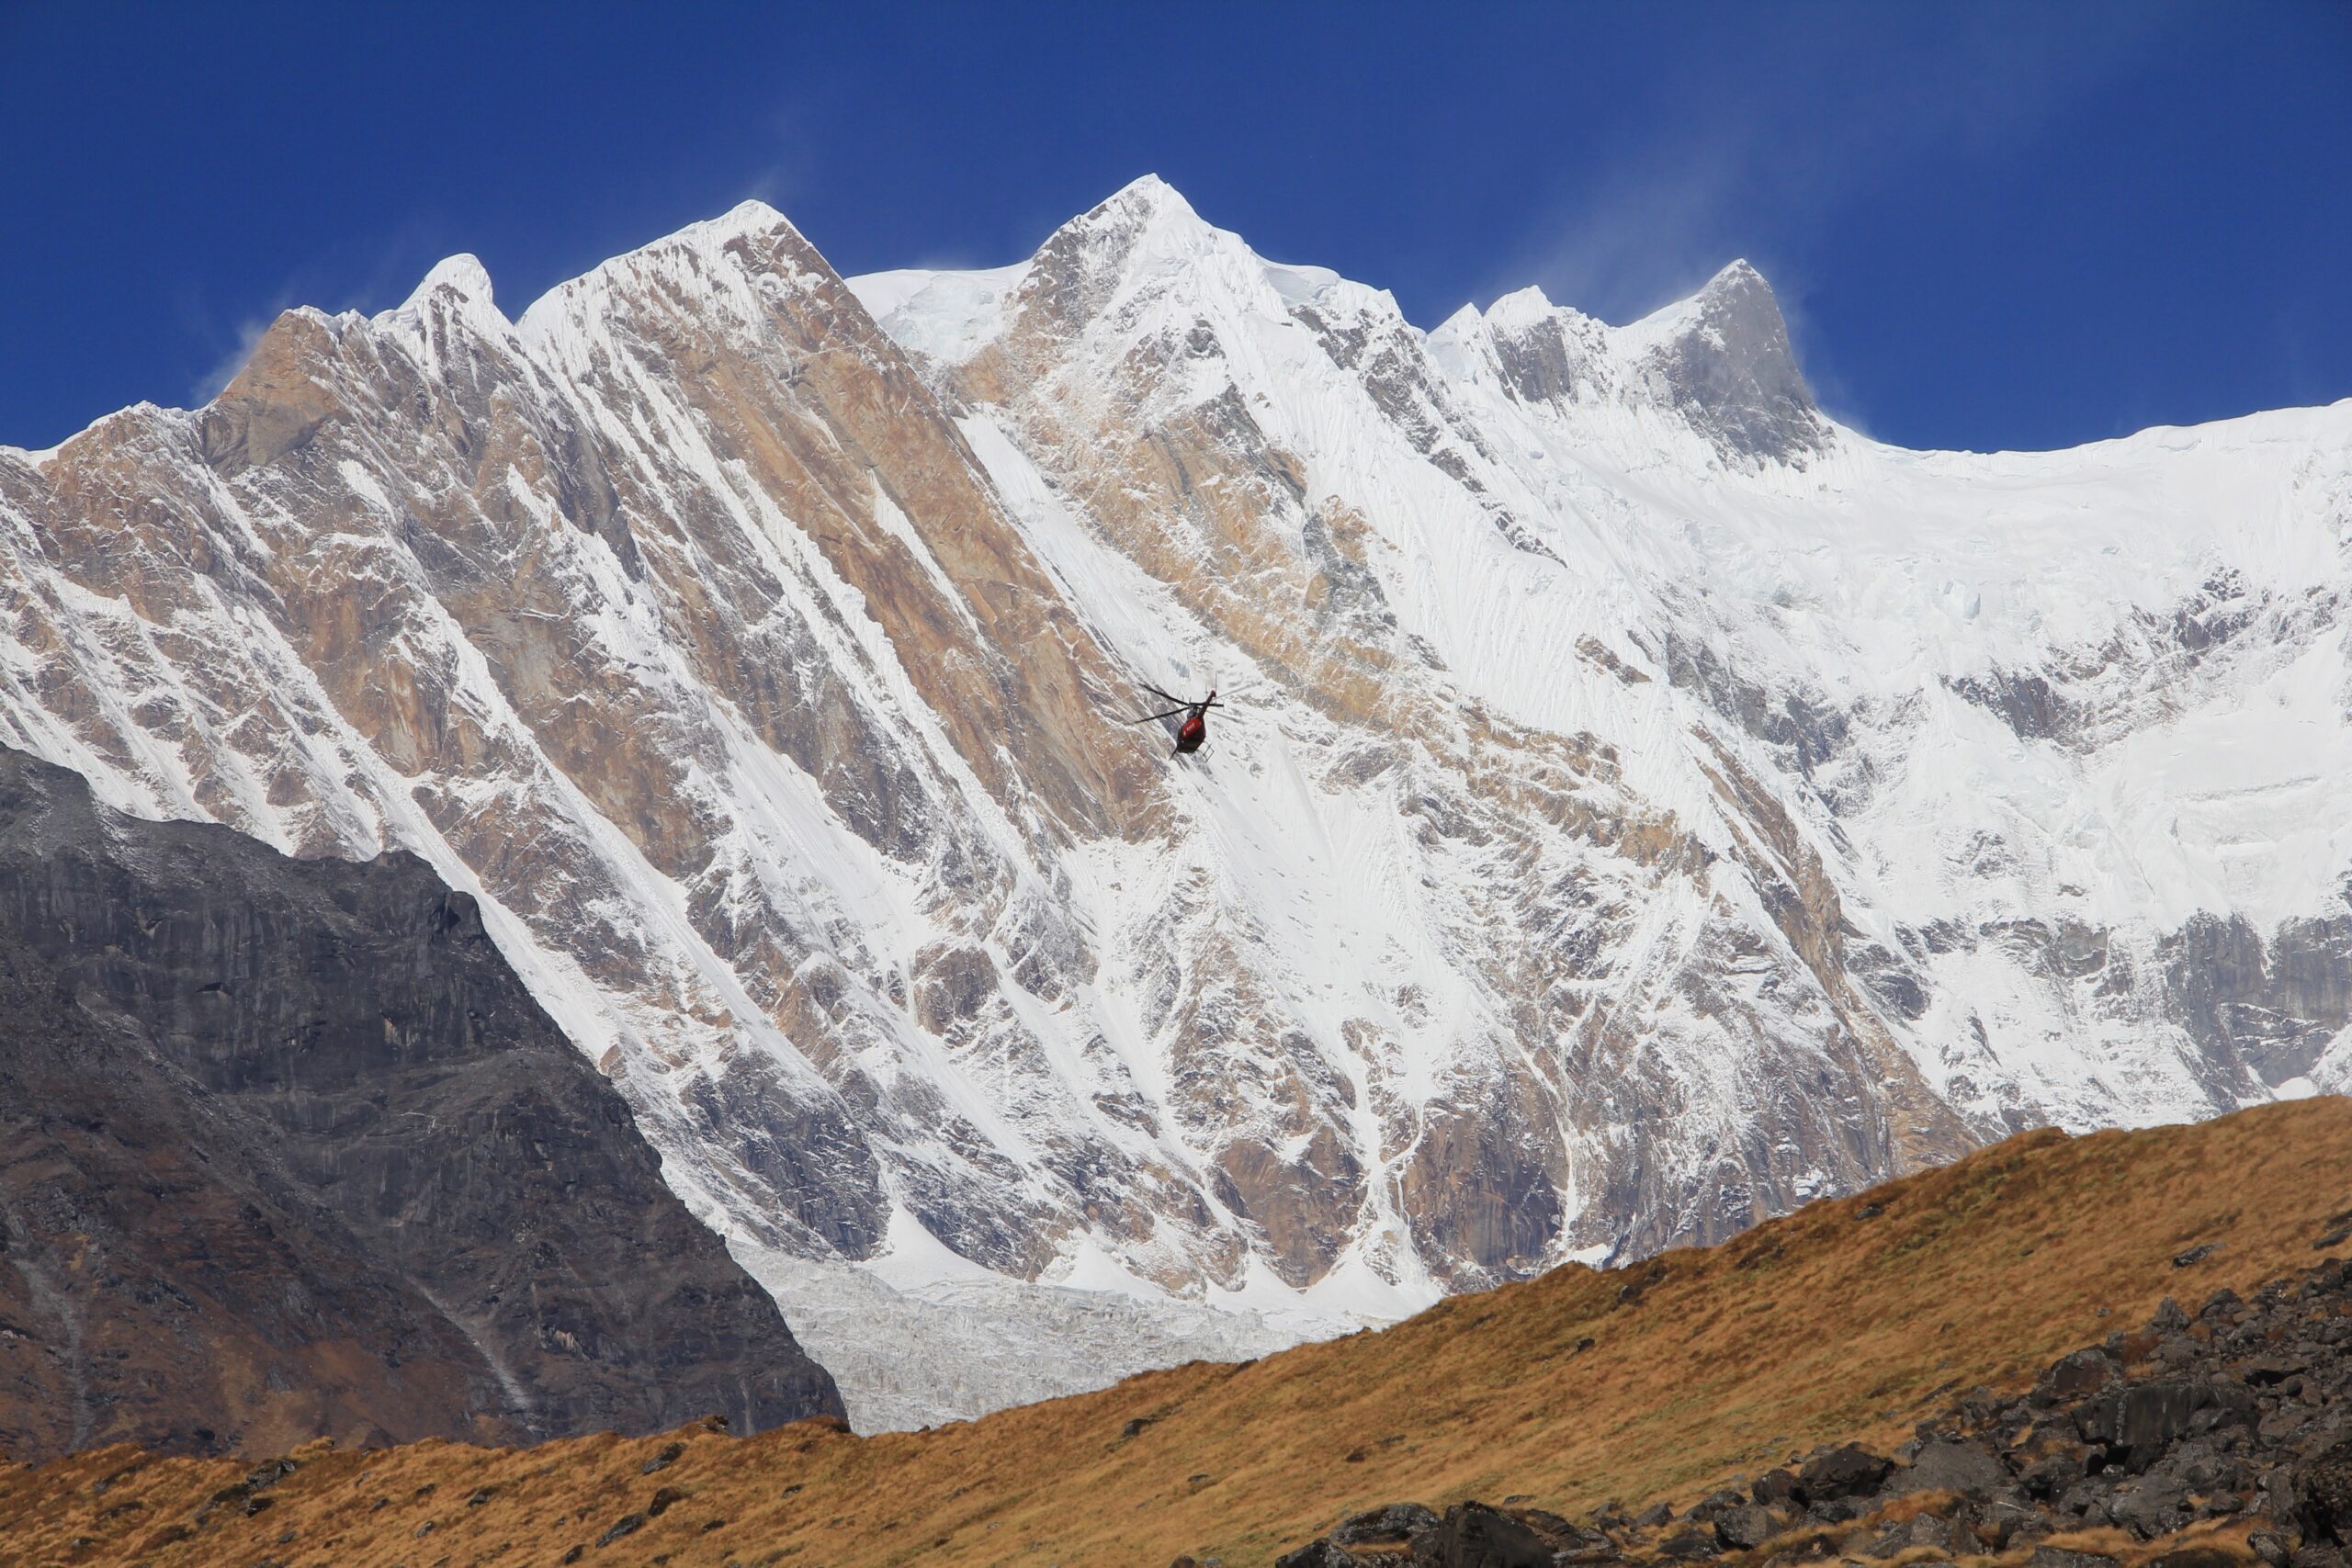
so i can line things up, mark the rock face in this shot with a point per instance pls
(287, 1150)
(2218, 1441)
(1644, 805)
(1723, 359)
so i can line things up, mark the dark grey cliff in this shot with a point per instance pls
(287, 1151)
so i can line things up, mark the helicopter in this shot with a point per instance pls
(1194, 731)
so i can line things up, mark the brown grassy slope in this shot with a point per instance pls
(1827, 1324)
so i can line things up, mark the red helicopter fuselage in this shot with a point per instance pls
(1192, 732)
(1195, 727)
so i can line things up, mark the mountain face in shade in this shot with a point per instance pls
(286, 1150)
(1643, 805)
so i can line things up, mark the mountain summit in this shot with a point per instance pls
(1723, 357)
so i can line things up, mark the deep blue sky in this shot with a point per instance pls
(2020, 227)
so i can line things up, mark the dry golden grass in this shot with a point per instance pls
(1701, 1365)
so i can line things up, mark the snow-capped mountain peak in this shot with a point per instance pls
(462, 274)
(1723, 357)
(1146, 209)
(1515, 312)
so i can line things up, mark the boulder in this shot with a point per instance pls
(1748, 1525)
(2008, 1522)
(2323, 1489)
(1689, 1545)
(1473, 1535)
(2085, 1497)
(1393, 1521)
(1849, 1472)
(1971, 1468)
(2149, 1509)
(2050, 1474)
(2072, 1377)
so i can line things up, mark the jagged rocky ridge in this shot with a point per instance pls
(1646, 804)
(287, 1152)
(2218, 1441)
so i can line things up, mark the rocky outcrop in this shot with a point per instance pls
(2207, 1440)
(286, 1150)
(1730, 370)
(2276, 1005)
